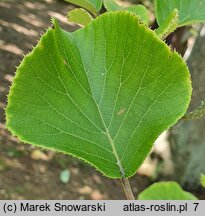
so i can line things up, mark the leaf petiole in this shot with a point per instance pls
(127, 188)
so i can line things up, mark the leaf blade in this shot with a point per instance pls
(89, 102)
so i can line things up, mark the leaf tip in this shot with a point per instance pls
(54, 22)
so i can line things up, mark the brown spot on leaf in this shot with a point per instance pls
(121, 111)
(65, 62)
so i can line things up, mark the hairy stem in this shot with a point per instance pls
(127, 188)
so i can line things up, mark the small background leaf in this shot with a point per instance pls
(65, 176)
(170, 24)
(165, 191)
(140, 11)
(91, 5)
(202, 180)
(189, 11)
(111, 5)
(79, 16)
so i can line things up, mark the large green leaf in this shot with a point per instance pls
(91, 5)
(165, 191)
(103, 93)
(190, 11)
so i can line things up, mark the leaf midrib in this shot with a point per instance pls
(107, 133)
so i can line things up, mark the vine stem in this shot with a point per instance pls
(127, 188)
